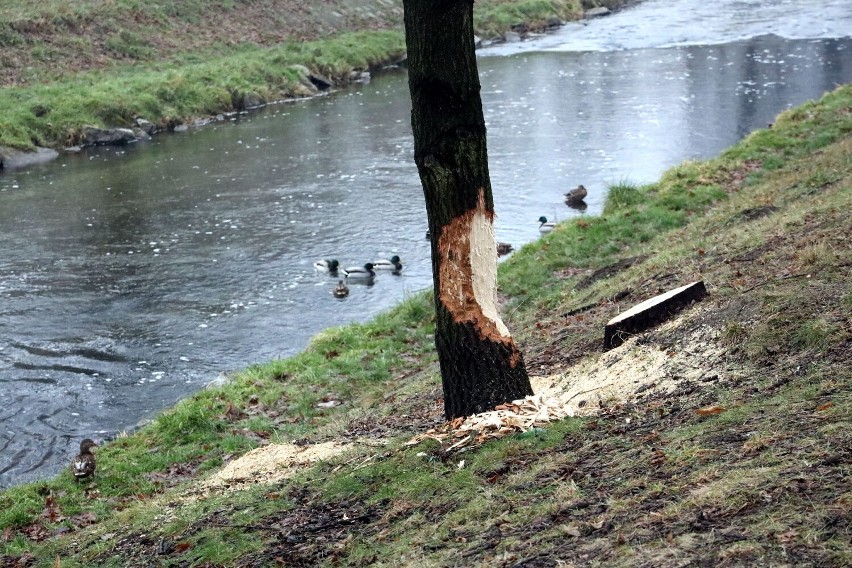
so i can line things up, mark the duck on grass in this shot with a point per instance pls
(83, 464)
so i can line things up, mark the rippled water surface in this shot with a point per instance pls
(131, 277)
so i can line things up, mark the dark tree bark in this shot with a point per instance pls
(480, 365)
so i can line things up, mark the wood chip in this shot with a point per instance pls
(518, 416)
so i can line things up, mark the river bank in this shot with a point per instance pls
(741, 398)
(115, 74)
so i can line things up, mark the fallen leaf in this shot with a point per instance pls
(182, 546)
(37, 532)
(84, 519)
(825, 406)
(710, 410)
(232, 414)
(51, 512)
(654, 435)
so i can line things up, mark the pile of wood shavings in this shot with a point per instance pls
(517, 416)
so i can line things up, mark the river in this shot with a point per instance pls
(131, 277)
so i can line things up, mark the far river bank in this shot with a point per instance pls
(120, 104)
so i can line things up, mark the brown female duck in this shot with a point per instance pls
(83, 465)
(504, 249)
(341, 290)
(576, 195)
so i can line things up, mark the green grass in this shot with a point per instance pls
(494, 18)
(141, 62)
(53, 114)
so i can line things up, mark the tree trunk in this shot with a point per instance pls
(480, 365)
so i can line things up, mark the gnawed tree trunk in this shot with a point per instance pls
(480, 365)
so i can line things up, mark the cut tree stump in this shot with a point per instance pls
(650, 313)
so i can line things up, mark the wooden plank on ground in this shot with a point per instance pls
(650, 313)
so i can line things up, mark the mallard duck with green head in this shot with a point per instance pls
(393, 263)
(545, 226)
(365, 272)
(329, 266)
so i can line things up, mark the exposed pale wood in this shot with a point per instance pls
(650, 313)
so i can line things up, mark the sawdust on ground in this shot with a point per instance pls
(635, 367)
(272, 463)
(615, 377)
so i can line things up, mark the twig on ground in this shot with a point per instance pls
(582, 392)
(764, 283)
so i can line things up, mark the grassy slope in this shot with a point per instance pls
(650, 483)
(65, 65)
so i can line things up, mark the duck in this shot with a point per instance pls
(83, 465)
(329, 266)
(388, 264)
(576, 195)
(365, 272)
(341, 290)
(504, 249)
(545, 226)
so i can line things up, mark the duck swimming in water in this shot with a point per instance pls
(83, 465)
(392, 264)
(576, 195)
(504, 248)
(365, 272)
(546, 226)
(329, 266)
(341, 290)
